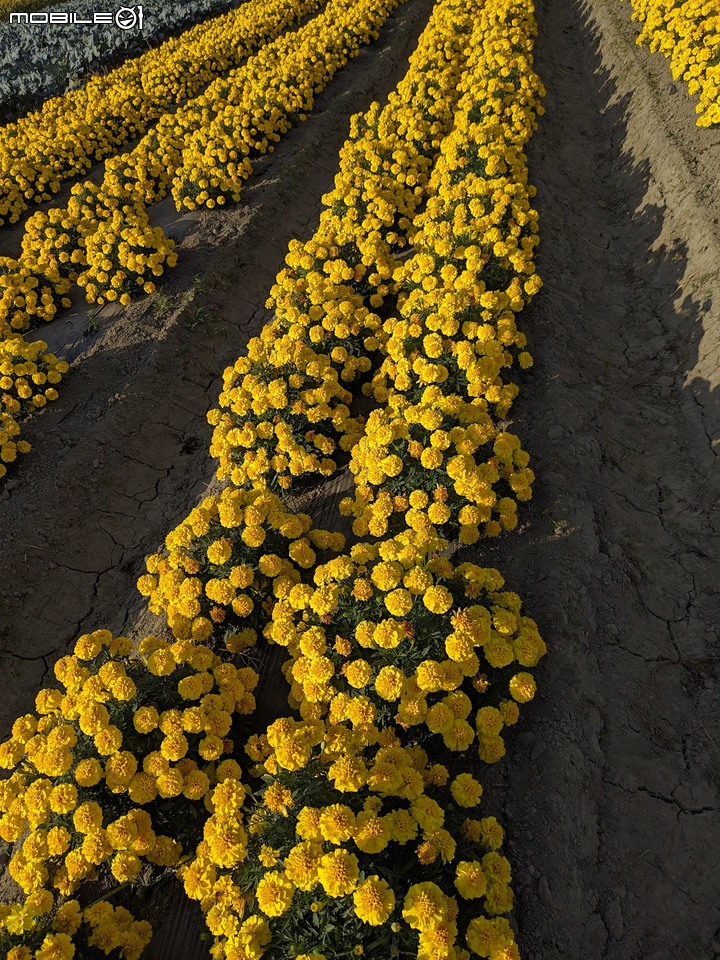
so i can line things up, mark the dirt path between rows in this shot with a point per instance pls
(121, 457)
(611, 788)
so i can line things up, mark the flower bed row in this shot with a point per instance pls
(350, 784)
(70, 133)
(360, 839)
(687, 32)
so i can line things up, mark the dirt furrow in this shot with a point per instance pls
(122, 456)
(612, 785)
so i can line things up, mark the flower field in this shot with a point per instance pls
(314, 721)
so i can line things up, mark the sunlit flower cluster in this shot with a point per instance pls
(92, 769)
(687, 32)
(398, 633)
(29, 292)
(353, 840)
(334, 283)
(11, 443)
(36, 931)
(28, 373)
(438, 466)
(227, 562)
(283, 416)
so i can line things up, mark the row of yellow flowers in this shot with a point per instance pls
(687, 32)
(343, 790)
(68, 134)
(370, 695)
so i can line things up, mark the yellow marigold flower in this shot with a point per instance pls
(120, 769)
(277, 798)
(301, 864)
(522, 687)
(399, 602)
(439, 718)
(195, 785)
(274, 893)
(428, 813)
(125, 866)
(470, 880)
(68, 917)
(459, 737)
(372, 833)
(58, 841)
(146, 719)
(491, 749)
(429, 676)
(387, 575)
(438, 599)
(358, 673)
(56, 946)
(88, 816)
(387, 634)
(466, 790)
(63, 798)
(348, 774)
(142, 788)
(338, 872)
(362, 590)
(308, 824)
(211, 748)
(170, 783)
(389, 683)
(96, 847)
(402, 825)
(254, 934)
(486, 937)
(489, 721)
(425, 906)
(173, 747)
(374, 901)
(268, 856)
(337, 823)
(496, 867)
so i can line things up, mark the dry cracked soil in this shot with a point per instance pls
(609, 791)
